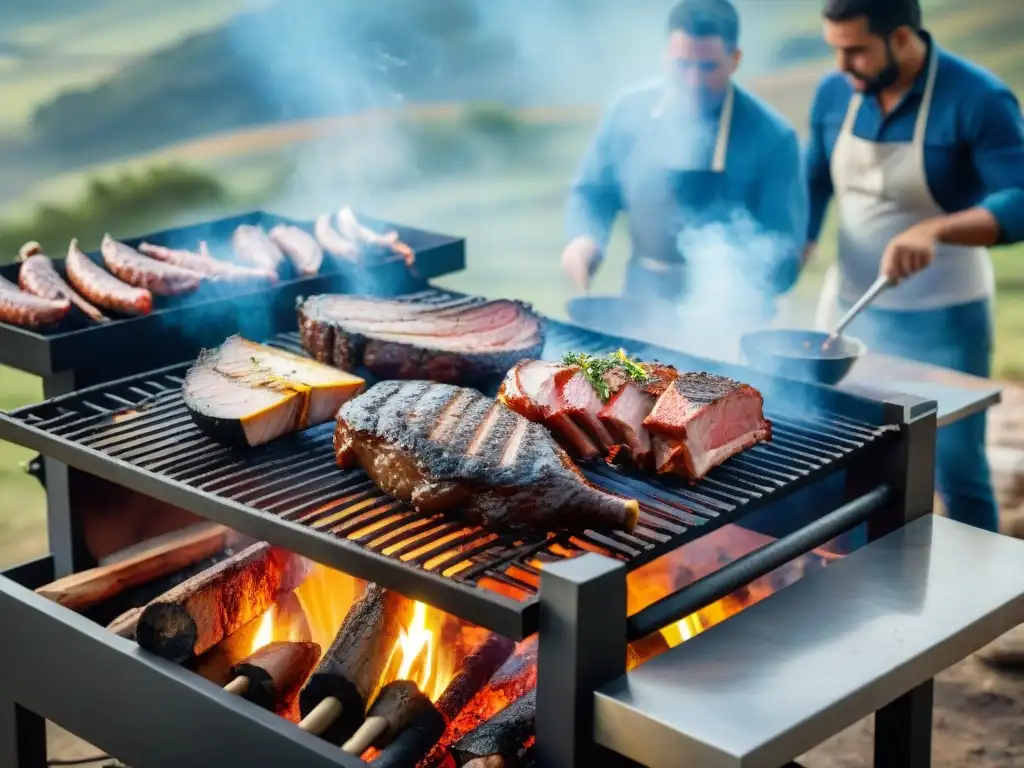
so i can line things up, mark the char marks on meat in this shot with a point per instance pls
(20, 308)
(454, 342)
(444, 448)
(38, 275)
(674, 423)
(102, 288)
(158, 277)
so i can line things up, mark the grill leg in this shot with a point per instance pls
(22, 737)
(903, 730)
(582, 647)
(908, 467)
(63, 526)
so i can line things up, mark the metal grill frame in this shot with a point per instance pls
(73, 358)
(510, 617)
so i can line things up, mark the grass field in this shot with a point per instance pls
(510, 212)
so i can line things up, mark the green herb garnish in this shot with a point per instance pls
(594, 368)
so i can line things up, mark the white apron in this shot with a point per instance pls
(881, 190)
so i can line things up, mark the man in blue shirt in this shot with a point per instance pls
(924, 155)
(691, 151)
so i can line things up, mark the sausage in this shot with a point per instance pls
(300, 247)
(333, 241)
(28, 311)
(205, 263)
(143, 272)
(39, 276)
(353, 230)
(102, 288)
(252, 246)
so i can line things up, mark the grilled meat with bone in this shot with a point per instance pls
(24, 309)
(247, 393)
(205, 263)
(455, 343)
(443, 448)
(158, 277)
(252, 246)
(300, 247)
(39, 276)
(102, 288)
(677, 423)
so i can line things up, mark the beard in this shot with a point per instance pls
(875, 84)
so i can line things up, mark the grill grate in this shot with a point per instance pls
(138, 432)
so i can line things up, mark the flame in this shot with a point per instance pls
(265, 631)
(692, 562)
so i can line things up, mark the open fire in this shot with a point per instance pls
(322, 648)
(431, 646)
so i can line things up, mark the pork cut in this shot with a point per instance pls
(457, 342)
(444, 448)
(701, 420)
(670, 422)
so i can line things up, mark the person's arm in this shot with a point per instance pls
(819, 175)
(782, 210)
(595, 199)
(996, 138)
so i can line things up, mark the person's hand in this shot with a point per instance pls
(579, 260)
(908, 253)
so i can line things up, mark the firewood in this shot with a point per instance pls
(414, 742)
(200, 612)
(333, 700)
(504, 734)
(125, 624)
(267, 676)
(83, 590)
(397, 705)
(474, 673)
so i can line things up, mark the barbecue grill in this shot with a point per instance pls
(570, 588)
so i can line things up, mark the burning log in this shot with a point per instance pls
(413, 743)
(80, 591)
(477, 668)
(510, 677)
(398, 704)
(200, 612)
(333, 700)
(503, 736)
(269, 675)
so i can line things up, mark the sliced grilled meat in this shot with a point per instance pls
(28, 311)
(459, 343)
(300, 247)
(703, 419)
(102, 288)
(247, 393)
(39, 276)
(451, 449)
(252, 246)
(158, 277)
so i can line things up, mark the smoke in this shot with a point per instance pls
(730, 264)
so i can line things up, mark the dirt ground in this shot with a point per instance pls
(978, 723)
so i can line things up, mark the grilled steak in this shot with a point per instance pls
(683, 424)
(701, 420)
(451, 449)
(247, 393)
(450, 343)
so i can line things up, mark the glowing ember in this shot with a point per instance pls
(265, 631)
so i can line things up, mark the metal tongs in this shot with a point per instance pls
(881, 284)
